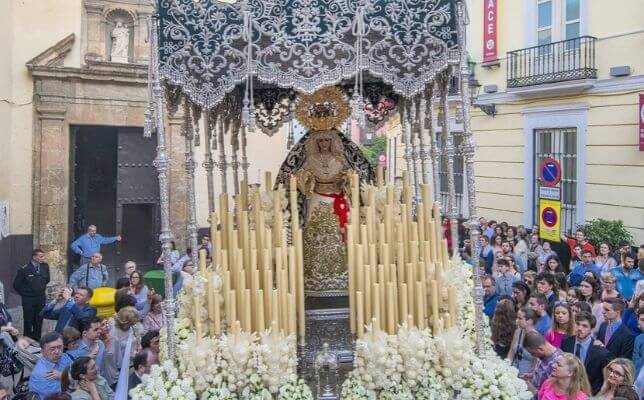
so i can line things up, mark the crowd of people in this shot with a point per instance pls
(573, 329)
(85, 355)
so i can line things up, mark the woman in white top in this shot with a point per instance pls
(140, 293)
(604, 259)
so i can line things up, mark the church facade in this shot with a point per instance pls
(73, 152)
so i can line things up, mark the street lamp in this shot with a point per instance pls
(475, 88)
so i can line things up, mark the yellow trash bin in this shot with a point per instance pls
(103, 300)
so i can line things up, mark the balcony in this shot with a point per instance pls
(567, 60)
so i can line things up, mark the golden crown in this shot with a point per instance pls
(323, 110)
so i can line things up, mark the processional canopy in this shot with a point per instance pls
(207, 47)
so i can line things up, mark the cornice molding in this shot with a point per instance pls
(54, 55)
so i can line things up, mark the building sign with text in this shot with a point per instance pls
(490, 30)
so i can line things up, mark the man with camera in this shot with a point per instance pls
(68, 310)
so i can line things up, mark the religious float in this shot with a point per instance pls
(330, 280)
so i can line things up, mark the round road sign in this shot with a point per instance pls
(549, 217)
(550, 172)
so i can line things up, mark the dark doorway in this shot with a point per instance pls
(115, 188)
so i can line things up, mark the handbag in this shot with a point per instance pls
(9, 364)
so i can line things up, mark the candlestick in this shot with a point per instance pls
(259, 303)
(268, 181)
(420, 311)
(217, 314)
(197, 305)
(391, 325)
(435, 306)
(404, 309)
(202, 262)
(376, 304)
(451, 301)
(379, 174)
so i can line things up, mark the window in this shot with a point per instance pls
(558, 20)
(560, 144)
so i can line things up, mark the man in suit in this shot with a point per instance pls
(592, 356)
(545, 283)
(614, 335)
(30, 283)
(141, 367)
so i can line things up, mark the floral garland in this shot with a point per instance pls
(230, 367)
(416, 364)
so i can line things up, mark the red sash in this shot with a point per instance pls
(340, 208)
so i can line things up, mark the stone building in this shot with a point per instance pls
(74, 90)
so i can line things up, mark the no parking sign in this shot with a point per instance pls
(549, 219)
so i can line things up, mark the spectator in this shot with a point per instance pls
(590, 293)
(111, 357)
(125, 320)
(497, 242)
(580, 238)
(545, 255)
(562, 324)
(90, 344)
(608, 286)
(538, 303)
(529, 277)
(546, 355)
(511, 235)
(140, 293)
(587, 264)
(91, 385)
(8, 333)
(567, 381)
(69, 311)
(174, 254)
(520, 293)
(624, 248)
(545, 282)
(617, 372)
(626, 277)
(140, 368)
(604, 260)
(626, 392)
(637, 275)
(638, 347)
(487, 254)
(581, 345)
(521, 247)
(45, 377)
(616, 336)
(31, 283)
(57, 396)
(553, 265)
(573, 295)
(575, 259)
(466, 255)
(503, 326)
(507, 248)
(499, 229)
(187, 270)
(630, 314)
(124, 281)
(150, 342)
(561, 286)
(87, 245)
(155, 320)
(91, 275)
(514, 269)
(205, 244)
(534, 250)
(581, 306)
(505, 279)
(518, 356)
(123, 298)
(487, 230)
(71, 339)
(491, 297)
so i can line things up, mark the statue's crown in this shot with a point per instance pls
(323, 110)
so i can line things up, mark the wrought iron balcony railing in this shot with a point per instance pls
(566, 60)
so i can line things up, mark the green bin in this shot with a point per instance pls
(155, 280)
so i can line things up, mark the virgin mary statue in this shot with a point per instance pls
(322, 162)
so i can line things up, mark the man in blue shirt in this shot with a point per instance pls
(70, 311)
(587, 264)
(91, 275)
(626, 277)
(90, 243)
(539, 304)
(45, 377)
(487, 254)
(90, 344)
(491, 297)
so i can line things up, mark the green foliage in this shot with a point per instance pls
(371, 152)
(604, 231)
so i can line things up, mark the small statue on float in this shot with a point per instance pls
(323, 162)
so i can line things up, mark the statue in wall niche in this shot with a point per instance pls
(120, 43)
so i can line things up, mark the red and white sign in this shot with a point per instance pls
(489, 30)
(641, 109)
(382, 160)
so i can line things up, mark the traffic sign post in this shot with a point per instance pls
(550, 172)
(382, 160)
(549, 220)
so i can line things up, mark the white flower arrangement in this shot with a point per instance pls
(414, 364)
(297, 390)
(164, 382)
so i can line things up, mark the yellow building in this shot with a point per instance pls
(566, 85)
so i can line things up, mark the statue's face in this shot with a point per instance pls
(324, 144)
